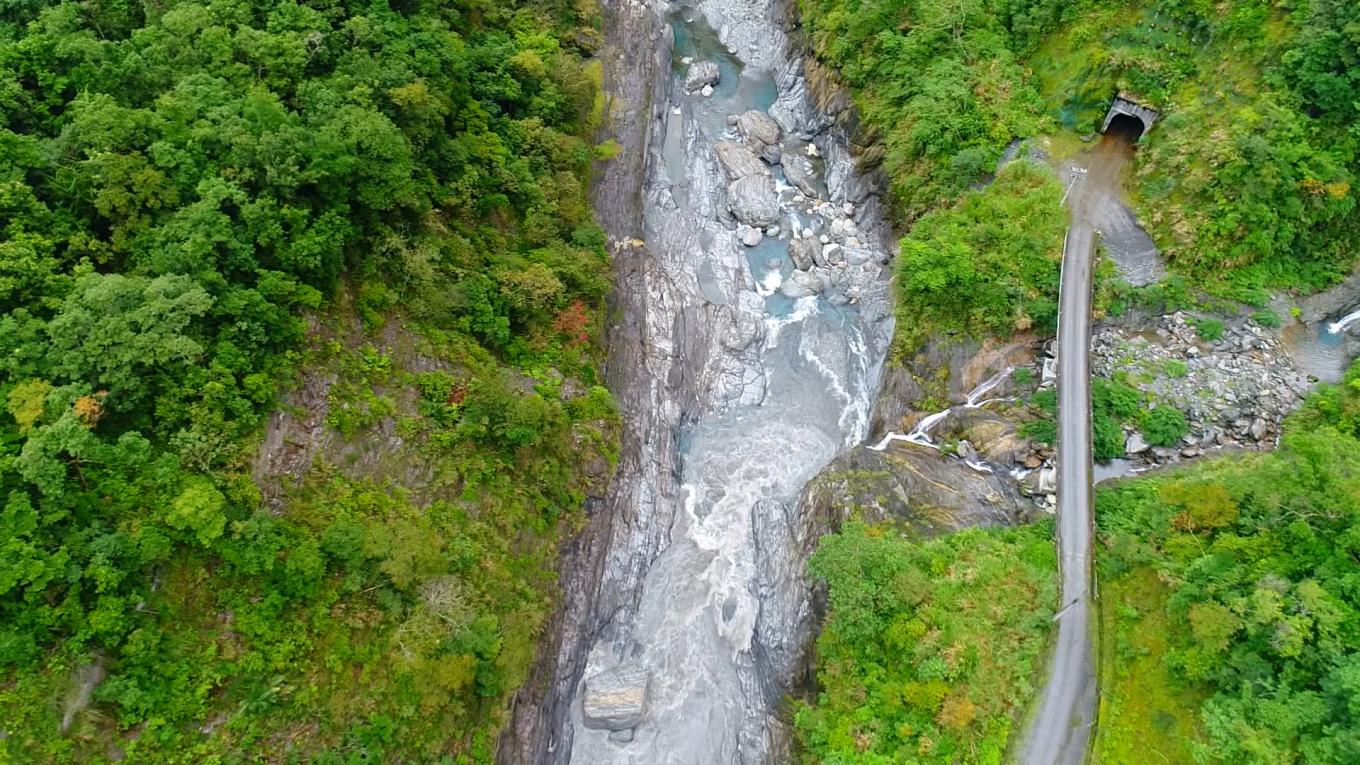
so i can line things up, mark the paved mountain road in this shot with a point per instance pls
(1060, 732)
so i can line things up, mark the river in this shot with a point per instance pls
(718, 616)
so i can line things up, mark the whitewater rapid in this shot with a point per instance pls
(720, 613)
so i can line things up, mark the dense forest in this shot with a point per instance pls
(929, 649)
(1229, 606)
(204, 204)
(1234, 584)
(1246, 183)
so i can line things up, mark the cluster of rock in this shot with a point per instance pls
(1234, 391)
(824, 240)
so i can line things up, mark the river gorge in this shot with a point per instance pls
(753, 321)
(750, 325)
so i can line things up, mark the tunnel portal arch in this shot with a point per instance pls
(1125, 126)
(1128, 107)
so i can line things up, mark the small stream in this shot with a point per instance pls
(716, 622)
(1321, 351)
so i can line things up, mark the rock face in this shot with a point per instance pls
(701, 74)
(944, 369)
(917, 487)
(995, 436)
(615, 699)
(635, 74)
(1329, 303)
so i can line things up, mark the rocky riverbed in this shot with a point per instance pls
(1235, 391)
(753, 319)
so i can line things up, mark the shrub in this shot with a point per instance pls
(1164, 426)
(1044, 431)
(1115, 398)
(1267, 319)
(1208, 330)
(1107, 438)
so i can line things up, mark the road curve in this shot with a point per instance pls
(1060, 732)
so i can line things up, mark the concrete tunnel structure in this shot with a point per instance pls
(1127, 110)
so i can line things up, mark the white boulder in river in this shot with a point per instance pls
(616, 699)
(753, 200)
(751, 195)
(701, 74)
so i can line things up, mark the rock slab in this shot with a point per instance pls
(616, 699)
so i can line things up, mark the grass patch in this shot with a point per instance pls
(1146, 714)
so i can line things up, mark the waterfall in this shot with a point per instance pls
(920, 434)
(1340, 325)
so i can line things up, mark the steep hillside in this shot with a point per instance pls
(366, 219)
(1245, 184)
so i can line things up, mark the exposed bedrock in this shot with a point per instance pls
(916, 488)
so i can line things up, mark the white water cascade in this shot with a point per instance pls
(1340, 325)
(920, 434)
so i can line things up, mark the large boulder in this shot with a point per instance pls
(758, 128)
(798, 168)
(738, 161)
(995, 437)
(753, 200)
(615, 699)
(804, 252)
(701, 74)
(802, 284)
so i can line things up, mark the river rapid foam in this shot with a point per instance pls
(770, 372)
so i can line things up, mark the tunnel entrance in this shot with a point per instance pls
(1125, 128)
(1129, 117)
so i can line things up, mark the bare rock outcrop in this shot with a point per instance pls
(701, 74)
